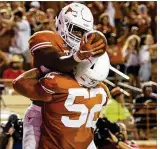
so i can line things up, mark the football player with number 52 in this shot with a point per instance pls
(71, 105)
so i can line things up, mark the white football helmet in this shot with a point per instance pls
(73, 17)
(90, 72)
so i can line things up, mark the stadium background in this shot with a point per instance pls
(117, 20)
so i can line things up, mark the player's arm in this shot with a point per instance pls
(103, 111)
(9, 22)
(62, 65)
(27, 84)
(68, 63)
(106, 89)
(52, 83)
(41, 42)
(119, 143)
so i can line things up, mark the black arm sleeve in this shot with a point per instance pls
(63, 65)
(51, 60)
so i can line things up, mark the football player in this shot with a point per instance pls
(61, 52)
(71, 105)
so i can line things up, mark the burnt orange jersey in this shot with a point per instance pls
(47, 48)
(45, 39)
(69, 119)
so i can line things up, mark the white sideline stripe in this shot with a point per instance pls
(109, 82)
(40, 44)
(119, 72)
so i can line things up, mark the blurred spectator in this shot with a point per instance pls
(10, 140)
(123, 31)
(50, 13)
(108, 135)
(97, 8)
(147, 44)
(116, 111)
(39, 15)
(125, 140)
(15, 68)
(5, 5)
(104, 25)
(5, 14)
(152, 12)
(134, 30)
(114, 51)
(1, 130)
(45, 25)
(19, 43)
(143, 19)
(36, 17)
(131, 56)
(3, 62)
(145, 110)
(6, 31)
(154, 70)
(111, 13)
(123, 143)
(16, 4)
(12, 133)
(6, 139)
(31, 17)
(35, 4)
(132, 14)
(121, 21)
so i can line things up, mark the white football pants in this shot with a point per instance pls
(31, 127)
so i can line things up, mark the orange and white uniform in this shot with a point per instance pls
(69, 119)
(46, 39)
(32, 117)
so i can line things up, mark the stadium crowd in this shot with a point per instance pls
(131, 32)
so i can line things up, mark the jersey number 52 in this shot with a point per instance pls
(86, 115)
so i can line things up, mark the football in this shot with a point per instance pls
(98, 36)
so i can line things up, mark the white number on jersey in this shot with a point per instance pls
(70, 106)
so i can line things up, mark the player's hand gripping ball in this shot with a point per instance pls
(98, 36)
(93, 43)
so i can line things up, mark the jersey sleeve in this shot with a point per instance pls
(48, 83)
(40, 40)
(53, 83)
